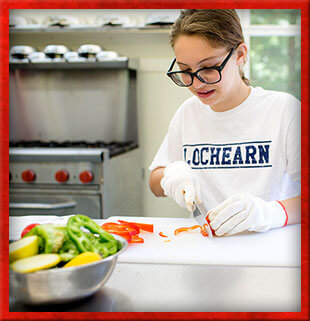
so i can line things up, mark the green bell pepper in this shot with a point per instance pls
(68, 250)
(51, 237)
(55, 239)
(95, 240)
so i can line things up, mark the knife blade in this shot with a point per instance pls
(200, 219)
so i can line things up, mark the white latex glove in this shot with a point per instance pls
(180, 184)
(242, 212)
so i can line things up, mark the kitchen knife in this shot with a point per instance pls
(200, 218)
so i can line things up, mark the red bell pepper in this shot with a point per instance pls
(186, 229)
(121, 227)
(130, 226)
(204, 225)
(129, 230)
(141, 226)
(203, 229)
(162, 234)
(125, 234)
(136, 239)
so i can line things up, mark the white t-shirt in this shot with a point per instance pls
(254, 147)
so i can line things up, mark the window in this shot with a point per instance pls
(274, 17)
(273, 38)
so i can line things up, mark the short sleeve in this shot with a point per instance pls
(170, 149)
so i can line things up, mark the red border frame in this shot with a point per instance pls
(4, 159)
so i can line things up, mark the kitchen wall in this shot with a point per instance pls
(158, 97)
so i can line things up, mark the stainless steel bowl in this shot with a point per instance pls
(61, 285)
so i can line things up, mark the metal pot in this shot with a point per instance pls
(89, 51)
(21, 52)
(106, 55)
(55, 51)
(114, 20)
(22, 21)
(61, 21)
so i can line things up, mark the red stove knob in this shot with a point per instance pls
(28, 175)
(86, 176)
(62, 176)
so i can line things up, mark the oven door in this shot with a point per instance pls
(55, 204)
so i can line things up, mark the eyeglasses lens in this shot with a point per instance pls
(207, 75)
(210, 76)
(182, 79)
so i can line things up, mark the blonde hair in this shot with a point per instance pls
(220, 27)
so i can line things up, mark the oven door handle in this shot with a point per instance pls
(43, 206)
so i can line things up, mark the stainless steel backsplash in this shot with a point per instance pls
(73, 104)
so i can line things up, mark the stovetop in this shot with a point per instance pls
(115, 148)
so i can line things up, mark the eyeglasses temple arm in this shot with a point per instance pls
(172, 64)
(227, 58)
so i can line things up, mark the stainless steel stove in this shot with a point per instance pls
(97, 179)
(74, 139)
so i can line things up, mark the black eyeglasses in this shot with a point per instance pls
(207, 75)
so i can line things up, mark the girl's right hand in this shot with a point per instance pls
(180, 183)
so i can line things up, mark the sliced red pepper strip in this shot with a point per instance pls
(146, 227)
(204, 231)
(207, 218)
(131, 229)
(116, 231)
(130, 225)
(186, 229)
(127, 230)
(162, 234)
(141, 226)
(110, 225)
(124, 234)
(136, 239)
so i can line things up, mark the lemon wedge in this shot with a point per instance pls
(83, 258)
(27, 246)
(36, 262)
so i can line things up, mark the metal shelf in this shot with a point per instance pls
(117, 29)
(113, 64)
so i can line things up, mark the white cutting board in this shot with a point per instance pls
(278, 247)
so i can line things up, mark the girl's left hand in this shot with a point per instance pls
(243, 211)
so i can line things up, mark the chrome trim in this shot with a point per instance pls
(56, 154)
(42, 206)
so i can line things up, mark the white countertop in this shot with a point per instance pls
(177, 287)
(278, 247)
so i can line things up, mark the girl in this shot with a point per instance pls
(231, 147)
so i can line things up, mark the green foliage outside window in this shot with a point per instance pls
(275, 63)
(275, 60)
(275, 16)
